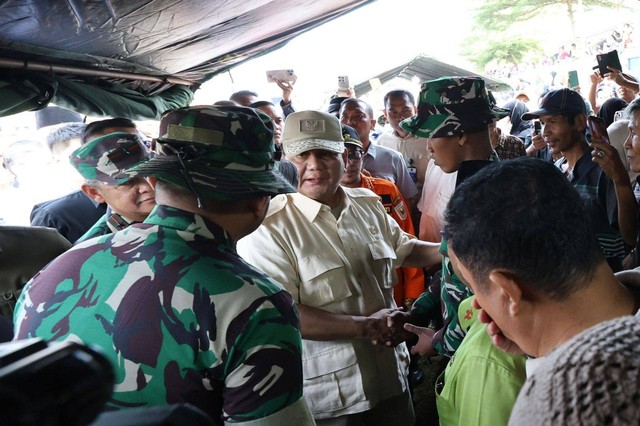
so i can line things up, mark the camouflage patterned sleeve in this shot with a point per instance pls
(427, 306)
(452, 293)
(264, 366)
(98, 228)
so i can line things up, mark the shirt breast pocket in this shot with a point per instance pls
(384, 257)
(323, 280)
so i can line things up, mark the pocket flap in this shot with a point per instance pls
(322, 280)
(381, 250)
(314, 265)
(321, 358)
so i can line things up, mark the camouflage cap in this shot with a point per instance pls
(452, 105)
(110, 158)
(217, 152)
(307, 130)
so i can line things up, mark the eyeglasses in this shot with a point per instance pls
(354, 155)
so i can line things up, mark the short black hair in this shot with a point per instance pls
(365, 105)
(399, 93)
(59, 136)
(98, 126)
(240, 93)
(523, 216)
(259, 104)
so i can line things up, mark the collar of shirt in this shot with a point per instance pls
(181, 220)
(581, 168)
(371, 150)
(310, 207)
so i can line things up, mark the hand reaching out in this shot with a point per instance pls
(425, 335)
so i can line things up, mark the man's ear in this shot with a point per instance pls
(581, 122)
(152, 181)
(257, 206)
(345, 158)
(508, 289)
(463, 139)
(373, 123)
(93, 193)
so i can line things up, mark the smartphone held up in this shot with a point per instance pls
(343, 85)
(598, 128)
(537, 127)
(281, 75)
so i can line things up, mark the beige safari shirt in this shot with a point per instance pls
(347, 266)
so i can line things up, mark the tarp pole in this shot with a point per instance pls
(61, 69)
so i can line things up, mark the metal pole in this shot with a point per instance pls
(63, 69)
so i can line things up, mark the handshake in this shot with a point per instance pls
(390, 327)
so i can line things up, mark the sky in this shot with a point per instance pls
(360, 44)
(378, 37)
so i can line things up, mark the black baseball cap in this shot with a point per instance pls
(558, 102)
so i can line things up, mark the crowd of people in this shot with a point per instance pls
(274, 266)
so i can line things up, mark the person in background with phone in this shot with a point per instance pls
(627, 86)
(247, 97)
(538, 147)
(632, 147)
(594, 169)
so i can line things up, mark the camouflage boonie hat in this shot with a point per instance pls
(109, 158)
(217, 152)
(450, 106)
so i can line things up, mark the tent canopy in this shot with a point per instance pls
(138, 58)
(427, 68)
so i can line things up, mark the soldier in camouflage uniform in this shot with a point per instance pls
(103, 163)
(454, 113)
(180, 315)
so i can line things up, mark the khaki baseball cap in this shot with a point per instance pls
(307, 130)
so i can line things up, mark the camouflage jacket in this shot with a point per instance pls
(105, 225)
(442, 303)
(180, 315)
(99, 228)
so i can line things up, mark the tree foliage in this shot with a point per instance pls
(509, 51)
(499, 15)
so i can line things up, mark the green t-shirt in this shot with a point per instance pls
(481, 383)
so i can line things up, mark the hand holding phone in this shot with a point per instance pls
(537, 127)
(598, 128)
(609, 59)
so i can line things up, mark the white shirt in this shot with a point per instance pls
(346, 266)
(413, 149)
(436, 192)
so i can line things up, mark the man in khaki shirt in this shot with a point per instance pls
(335, 250)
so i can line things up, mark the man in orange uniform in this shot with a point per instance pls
(410, 280)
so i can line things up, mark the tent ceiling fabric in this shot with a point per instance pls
(427, 68)
(188, 39)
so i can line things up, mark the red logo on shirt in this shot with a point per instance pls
(469, 314)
